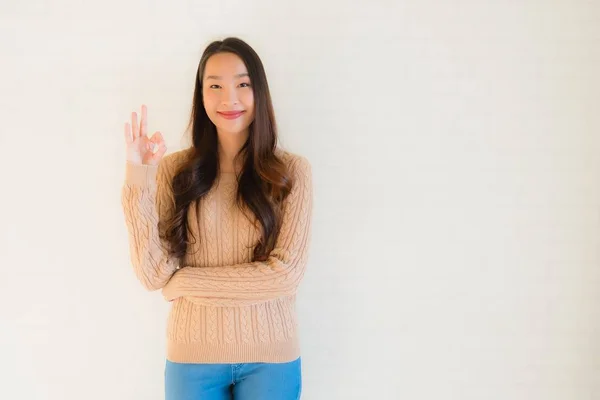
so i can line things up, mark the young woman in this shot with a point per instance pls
(223, 228)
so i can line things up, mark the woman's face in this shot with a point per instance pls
(226, 88)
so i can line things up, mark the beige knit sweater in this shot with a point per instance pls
(226, 308)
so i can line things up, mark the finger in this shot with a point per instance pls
(159, 153)
(134, 125)
(128, 137)
(157, 138)
(155, 141)
(162, 149)
(144, 129)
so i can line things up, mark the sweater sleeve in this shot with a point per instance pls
(258, 281)
(146, 196)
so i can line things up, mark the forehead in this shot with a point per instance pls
(225, 66)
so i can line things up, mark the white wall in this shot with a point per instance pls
(457, 180)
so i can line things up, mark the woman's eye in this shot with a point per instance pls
(217, 86)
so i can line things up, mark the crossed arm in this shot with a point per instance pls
(147, 196)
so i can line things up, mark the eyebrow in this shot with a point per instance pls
(220, 77)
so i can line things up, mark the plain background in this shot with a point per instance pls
(454, 147)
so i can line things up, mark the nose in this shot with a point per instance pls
(229, 97)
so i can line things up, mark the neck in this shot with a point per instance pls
(229, 146)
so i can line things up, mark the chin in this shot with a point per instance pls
(232, 130)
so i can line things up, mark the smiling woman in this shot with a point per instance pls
(223, 228)
(228, 96)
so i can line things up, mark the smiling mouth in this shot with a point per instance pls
(230, 114)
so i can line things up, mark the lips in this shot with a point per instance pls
(230, 114)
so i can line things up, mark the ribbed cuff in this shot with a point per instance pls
(141, 175)
(198, 352)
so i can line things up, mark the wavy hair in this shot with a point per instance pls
(264, 181)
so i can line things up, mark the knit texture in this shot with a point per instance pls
(226, 308)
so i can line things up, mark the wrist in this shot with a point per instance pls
(140, 174)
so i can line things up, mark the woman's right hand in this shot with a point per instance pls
(141, 149)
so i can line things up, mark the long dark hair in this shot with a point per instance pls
(264, 181)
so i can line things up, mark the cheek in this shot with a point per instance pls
(210, 107)
(209, 100)
(248, 99)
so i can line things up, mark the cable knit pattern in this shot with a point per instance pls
(226, 308)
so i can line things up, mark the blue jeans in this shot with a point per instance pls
(249, 381)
